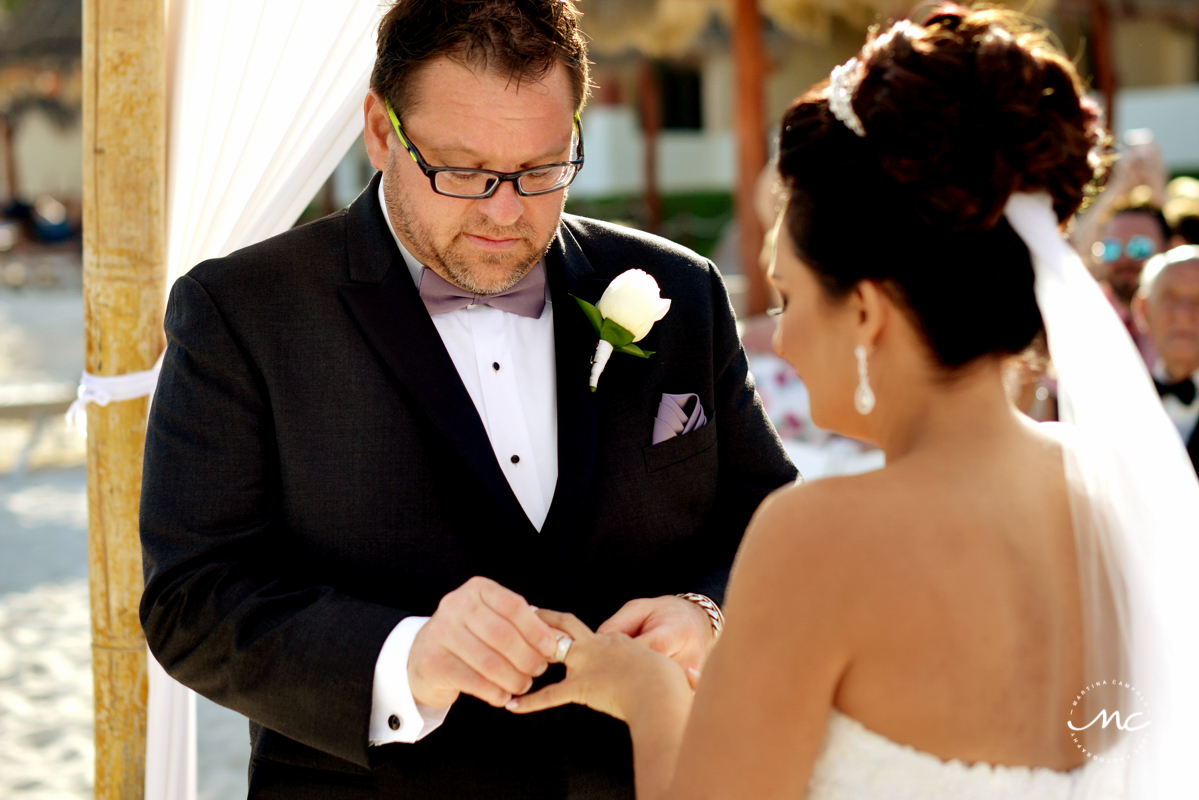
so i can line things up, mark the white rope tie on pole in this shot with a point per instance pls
(102, 390)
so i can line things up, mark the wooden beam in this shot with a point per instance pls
(124, 271)
(10, 157)
(749, 59)
(1102, 60)
(649, 98)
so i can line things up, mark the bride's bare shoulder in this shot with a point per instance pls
(835, 507)
(831, 531)
(814, 555)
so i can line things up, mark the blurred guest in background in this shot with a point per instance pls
(1031, 383)
(1138, 177)
(1182, 210)
(1183, 215)
(1132, 236)
(1124, 226)
(1167, 308)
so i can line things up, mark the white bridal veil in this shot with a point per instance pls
(1135, 501)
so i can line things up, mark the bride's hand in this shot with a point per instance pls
(606, 672)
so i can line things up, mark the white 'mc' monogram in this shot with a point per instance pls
(1126, 725)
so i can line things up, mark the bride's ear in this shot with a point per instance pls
(871, 307)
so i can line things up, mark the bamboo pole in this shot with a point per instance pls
(749, 61)
(124, 269)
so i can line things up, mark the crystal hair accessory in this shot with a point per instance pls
(843, 84)
(845, 79)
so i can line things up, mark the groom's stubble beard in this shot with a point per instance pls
(464, 268)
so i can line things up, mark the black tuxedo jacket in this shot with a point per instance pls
(315, 471)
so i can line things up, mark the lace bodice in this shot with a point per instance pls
(859, 764)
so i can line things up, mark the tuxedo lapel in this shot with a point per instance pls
(571, 275)
(390, 314)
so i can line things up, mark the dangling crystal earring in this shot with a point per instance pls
(863, 397)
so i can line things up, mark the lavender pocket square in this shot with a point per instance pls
(678, 414)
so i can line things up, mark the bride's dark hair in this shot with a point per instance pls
(959, 112)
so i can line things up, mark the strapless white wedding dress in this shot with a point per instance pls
(858, 764)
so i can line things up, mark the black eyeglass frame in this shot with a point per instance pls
(431, 172)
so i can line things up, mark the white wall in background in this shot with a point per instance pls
(718, 93)
(49, 159)
(615, 150)
(1172, 113)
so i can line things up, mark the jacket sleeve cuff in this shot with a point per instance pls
(395, 714)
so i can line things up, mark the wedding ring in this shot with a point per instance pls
(564, 643)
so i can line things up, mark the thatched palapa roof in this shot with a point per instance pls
(669, 27)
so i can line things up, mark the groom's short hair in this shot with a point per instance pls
(522, 39)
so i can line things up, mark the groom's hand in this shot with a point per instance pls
(671, 625)
(483, 640)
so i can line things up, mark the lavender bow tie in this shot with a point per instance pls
(526, 298)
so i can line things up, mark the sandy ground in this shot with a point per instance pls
(46, 744)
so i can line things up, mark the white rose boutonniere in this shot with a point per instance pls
(631, 305)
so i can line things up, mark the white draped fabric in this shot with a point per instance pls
(265, 99)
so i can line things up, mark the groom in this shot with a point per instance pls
(373, 449)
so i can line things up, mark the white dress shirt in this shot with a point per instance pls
(506, 363)
(1184, 417)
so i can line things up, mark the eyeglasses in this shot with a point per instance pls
(476, 184)
(1137, 248)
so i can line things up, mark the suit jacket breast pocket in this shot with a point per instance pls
(672, 451)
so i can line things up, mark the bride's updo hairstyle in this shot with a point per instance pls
(959, 113)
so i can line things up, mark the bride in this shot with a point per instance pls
(961, 605)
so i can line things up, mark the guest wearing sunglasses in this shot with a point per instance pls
(1130, 237)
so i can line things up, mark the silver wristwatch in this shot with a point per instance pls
(710, 608)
